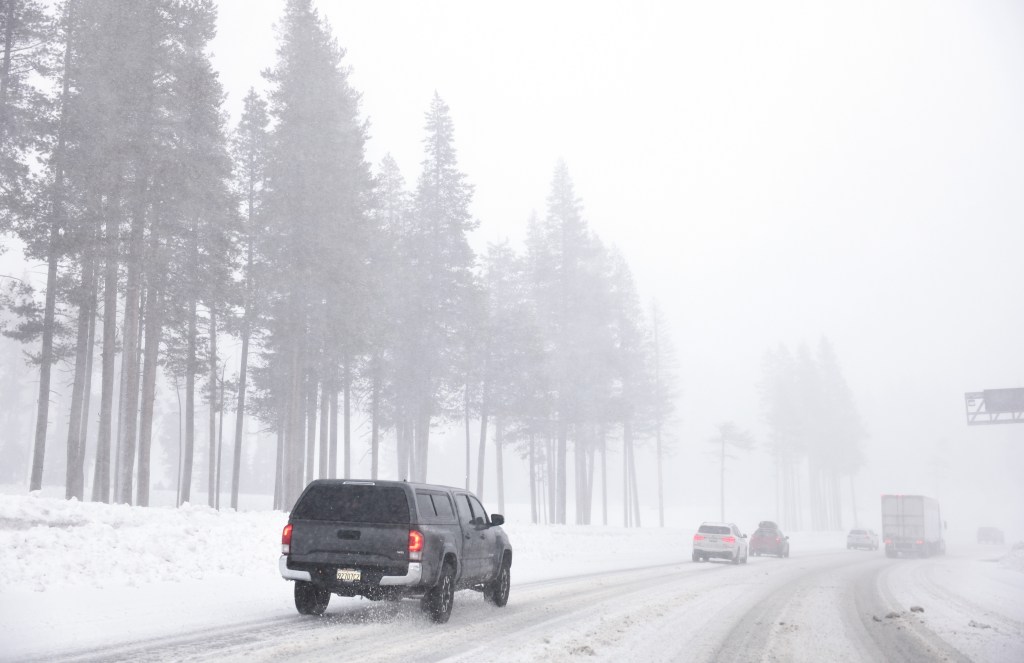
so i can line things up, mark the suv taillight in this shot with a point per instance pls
(729, 539)
(415, 545)
(286, 539)
(698, 537)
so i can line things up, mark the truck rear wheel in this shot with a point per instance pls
(310, 599)
(439, 600)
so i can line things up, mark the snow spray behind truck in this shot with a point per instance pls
(912, 524)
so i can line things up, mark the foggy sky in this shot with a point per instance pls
(772, 173)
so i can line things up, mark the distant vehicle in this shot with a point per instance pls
(990, 535)
(862, 538)
(768, 539)
(912, 525)
(392, 539)
(721, 541)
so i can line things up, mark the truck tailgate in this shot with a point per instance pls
(325, 542)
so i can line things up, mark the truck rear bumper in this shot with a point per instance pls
(291, 574)
(412, 576)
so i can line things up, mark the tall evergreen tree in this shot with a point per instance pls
(318, 186)
(250, 146)
(442, 282)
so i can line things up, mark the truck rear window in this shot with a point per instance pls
(354, 504)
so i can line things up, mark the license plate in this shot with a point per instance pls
(349, 575)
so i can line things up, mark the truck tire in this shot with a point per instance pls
(496, 591)
(310, 599)
(438, 601)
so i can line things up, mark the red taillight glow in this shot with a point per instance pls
(888, 541)
(286, 539)
(778, 539)
(415, 544)
(729, 539)
(919, 542)
(698, 537)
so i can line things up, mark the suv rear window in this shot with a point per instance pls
(714, 529)
(354, 504)
(857, 532)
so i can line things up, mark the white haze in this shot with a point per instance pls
(773, 172)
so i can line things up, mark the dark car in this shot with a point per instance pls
(990, 535)
(768, 539)
(387, 540)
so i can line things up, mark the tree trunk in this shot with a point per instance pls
(632, 480)
(154, 323)
(190, 405)
(562, 476)
(482, 449)
(498, 463)
(332, 455)
(311, 399)
(279, 469)
(295, 435)
(401, 450)
(45, 363)
(579, 477)
(89, 363)
(375, 424)
(53, 249)
(604, 476)
(347, 415)
(533, 481)
(75, 472)
(236, 464)
(465, 408)
(211, 470)
(220, 436)
(552, 473)
(325, 426)
(626, 492)
(101, 476)
(5, 68)
(128, 427)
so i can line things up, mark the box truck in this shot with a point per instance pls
(912, 525)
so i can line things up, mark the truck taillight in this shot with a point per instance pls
(888, 542)
(286, 539)
(415, 544)
(919, 542)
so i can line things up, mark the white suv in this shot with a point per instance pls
(862, 538)
(722, 540)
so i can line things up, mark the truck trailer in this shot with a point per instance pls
(912, 525)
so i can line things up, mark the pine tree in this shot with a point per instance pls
(316, 199)
(442, 282)
(250, 147)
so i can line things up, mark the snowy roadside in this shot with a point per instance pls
(50, 544)
(79, 575)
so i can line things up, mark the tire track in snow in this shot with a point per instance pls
(355, 621)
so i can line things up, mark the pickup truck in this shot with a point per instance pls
(388, 540)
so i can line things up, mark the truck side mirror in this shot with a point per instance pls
(497, 519)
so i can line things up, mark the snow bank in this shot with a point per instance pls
(48, 543)
(1015, 558)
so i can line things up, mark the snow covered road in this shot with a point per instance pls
(92, 582)
(831, 605)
